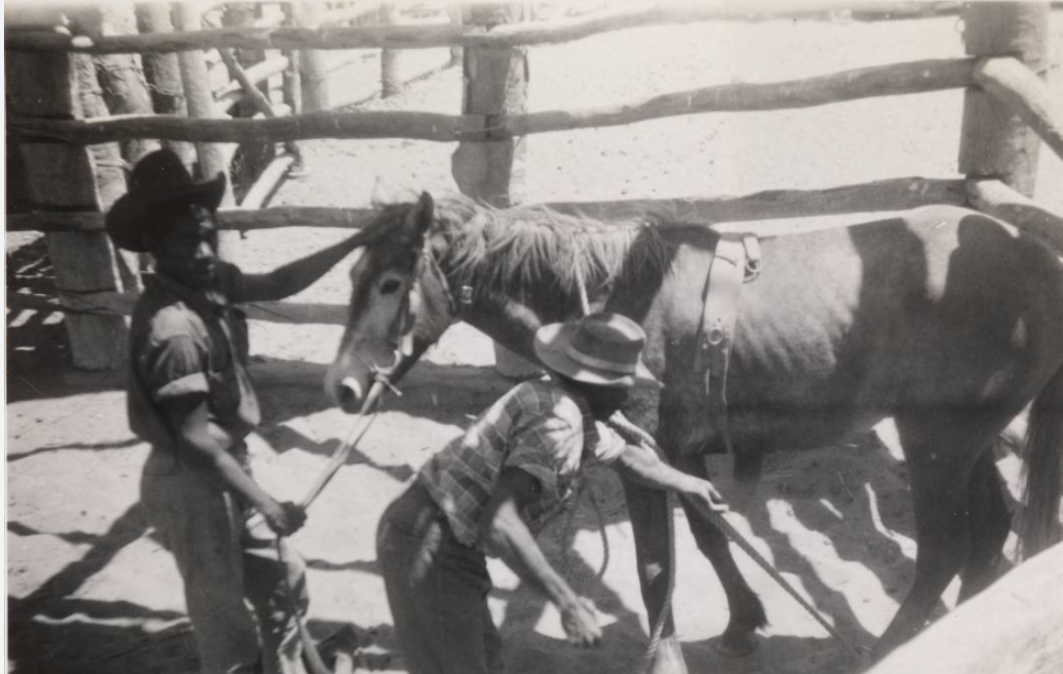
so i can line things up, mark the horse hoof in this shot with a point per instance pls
(735, 647)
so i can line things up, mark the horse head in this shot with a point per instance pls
(400, 303)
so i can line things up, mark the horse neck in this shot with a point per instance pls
(506, 321)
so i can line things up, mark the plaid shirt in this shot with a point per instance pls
(538, 427)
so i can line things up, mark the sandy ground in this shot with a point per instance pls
(89, 588)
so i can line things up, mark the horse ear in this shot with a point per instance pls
(419, 218)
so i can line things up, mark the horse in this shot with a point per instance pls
(943, 318)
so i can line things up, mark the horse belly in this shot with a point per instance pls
(807, 367)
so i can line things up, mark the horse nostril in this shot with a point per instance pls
(349, 393)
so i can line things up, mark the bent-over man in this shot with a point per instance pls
(490, 491)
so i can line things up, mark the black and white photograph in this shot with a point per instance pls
(574, 337)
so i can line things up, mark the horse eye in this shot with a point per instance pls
(389, 286)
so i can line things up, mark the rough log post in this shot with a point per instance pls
(121, 76)
(496, 83)
(995, 142)
(313, 67)
(62, 177)
(290, 94)
(456, 51)
(390, 59)
(290, 81)
(213, 158)
(252, 157)
(163, 74)
(108, 164)
(1025, 94)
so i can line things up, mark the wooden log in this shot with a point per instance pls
(163, 73)
(390, 59)
(108, 164)
(1025, 94)
(213, 158)
(313, 66)
(848, 85)
(496, 84)
(233, 92)
(359, 10)
(629, 15)
(885, 195)
(994, 141)
(896, 194)
(1014, 626)
(897, 79)
(323, 124)
(997, 199)
(268, 182)
(113, 304)
(121, 76)
(62, 177)
(457, 53)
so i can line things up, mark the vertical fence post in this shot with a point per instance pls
(313, 67)
(252, 158)
(212, 157)
(496, 83)
(63, 177)
(163, 74)
(994, 142)
(456, 51)
(390, 59)
(121, 76)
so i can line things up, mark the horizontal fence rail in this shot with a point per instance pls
(432, 36)
(884, 195)
(888, 80)
(989, 196)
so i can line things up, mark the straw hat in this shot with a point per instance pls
(158, 180)
(603, 349)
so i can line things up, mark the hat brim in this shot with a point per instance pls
(133, 213)
(550, 343)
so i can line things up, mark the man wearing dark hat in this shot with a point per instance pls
(489, 491)
(190, 397)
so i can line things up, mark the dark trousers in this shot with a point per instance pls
(437, 590)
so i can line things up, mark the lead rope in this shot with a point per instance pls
(366, 417)
(635, 434)
(662, 617)
(583, 485)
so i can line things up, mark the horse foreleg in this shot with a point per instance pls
(648, 510)
(747, 612)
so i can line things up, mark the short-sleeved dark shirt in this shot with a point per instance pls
(187, 342)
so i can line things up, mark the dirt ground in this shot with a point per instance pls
(90, 589)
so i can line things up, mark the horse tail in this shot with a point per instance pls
(1038, 525)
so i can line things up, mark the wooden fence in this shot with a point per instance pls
(1007, 103)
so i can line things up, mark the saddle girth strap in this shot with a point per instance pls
(736, 260)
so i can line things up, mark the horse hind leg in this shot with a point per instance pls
(747, 611)
(938, 447)
(989, 522)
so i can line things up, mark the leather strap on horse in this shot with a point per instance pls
(736, 260)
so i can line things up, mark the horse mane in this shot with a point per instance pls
(533, 249)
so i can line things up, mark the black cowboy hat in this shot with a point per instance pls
(159, 179)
